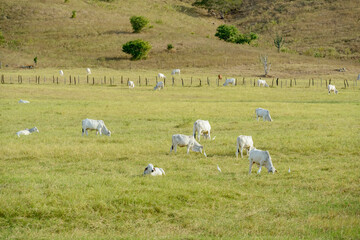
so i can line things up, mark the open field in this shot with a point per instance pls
(57, 184)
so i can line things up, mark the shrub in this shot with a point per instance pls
(138, 23)
(227, 32)
(169, 47)
(2, 39)
(137, 48)
(73, 14)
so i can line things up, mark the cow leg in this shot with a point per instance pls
(175, 148)
(259, 169)
(237, 150)
(241, 151)
(188, 149)
(86, 131)
(251, 163)
(172, 147)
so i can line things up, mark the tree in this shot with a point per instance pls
(137, 48)
(35, 60)
(220, 6)
(227, 32)
(278, 42)
(266, 64)
(138, 23)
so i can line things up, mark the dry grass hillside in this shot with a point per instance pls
(44, 28)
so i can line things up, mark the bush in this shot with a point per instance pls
(230, 33)
(227, 32)
(137, 48)
(2, 39)
(138, 23)
(73, 14)
(169, 47)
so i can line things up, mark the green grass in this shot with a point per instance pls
(57, 184)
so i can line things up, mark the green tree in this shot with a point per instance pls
(138, 23)
(227, 32)
(35, 60)
(137, 48)
(220, 6)
(278, 42)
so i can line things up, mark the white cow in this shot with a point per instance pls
(262, 83)
(160, 75)
(230, 80)
(202, 127)
(153, 171)
(88, 71)
(265, 114)
(261, 158)
(61, 73)
(244, 142)
(23, 132)
(98, 125)
(175, 71)
(131, 84)
(23, 101)
(184, 140)
(27, 131)
(159, 85)
(332, 88)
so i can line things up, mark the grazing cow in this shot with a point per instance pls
(202, 127)
(265, 114)
(244, 142)
(184, 140)
(160, 75)
(159, 85)
(153, 171)
(98, 125)
(262, 83)
(261, 158)
(230, 80)
(131, 84)
(23, 101)
(88, 71)
(61, 73)
(175, 71)
(332, 88)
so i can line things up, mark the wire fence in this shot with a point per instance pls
(174, 81)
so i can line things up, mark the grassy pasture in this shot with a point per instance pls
(57, 184)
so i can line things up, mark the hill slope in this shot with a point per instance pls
(95, 37)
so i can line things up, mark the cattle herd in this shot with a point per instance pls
(201, 128)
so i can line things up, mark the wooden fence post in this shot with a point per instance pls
(295, 81)
(2, 79)
(272, 83)
(121, 80)
(277, 81)
(70, 79)
(329, 81)
(290, 82)
(93, 80)
(53, 79)
(146, 81)
(173, 80)
(87, 79)
(243, 81)
(182, 81)
(312, 81)
(208, 81)
(164, 81)
(200, 82)
(57, 80)
(309, 82)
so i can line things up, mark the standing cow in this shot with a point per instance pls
(98, 125)
(182, 140)
(332, 88)
(231, 81)
(265, 114)
(243, 142)
(175, 71)
(159, 85)
(202, 127)
(261, 158)
(261, 82)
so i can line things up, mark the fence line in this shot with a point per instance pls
(184, 82)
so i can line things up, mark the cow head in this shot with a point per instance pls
(268, 117)
(197, 147)
(149, 169)
(266, 85)
(106, 131)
